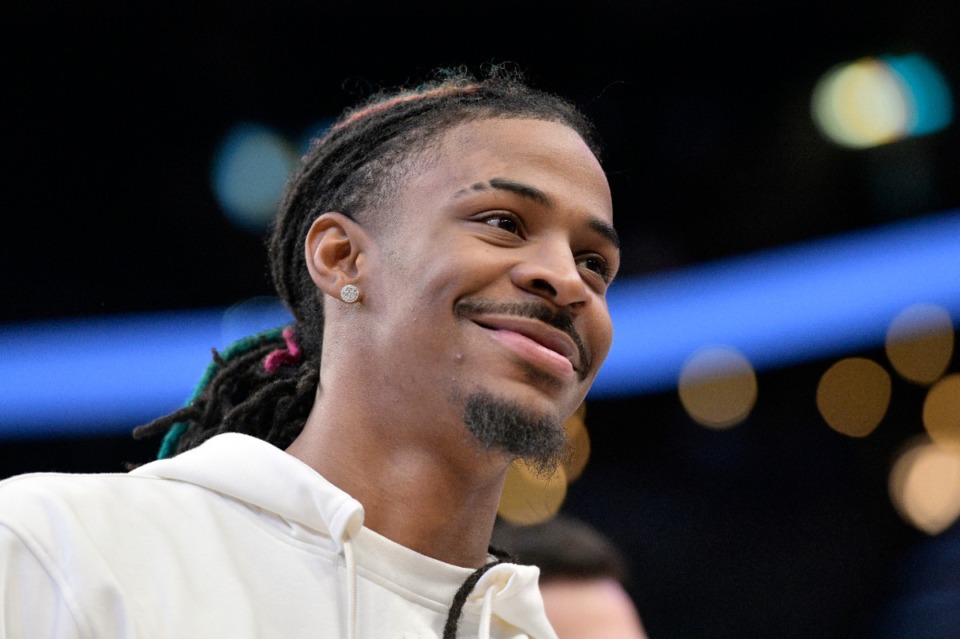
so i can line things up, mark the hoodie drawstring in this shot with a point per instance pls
(351, 588)
(486, 613)
(456, 607)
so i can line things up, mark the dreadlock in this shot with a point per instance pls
(253, 387)
(359, 163)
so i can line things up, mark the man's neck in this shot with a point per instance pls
(425, 487)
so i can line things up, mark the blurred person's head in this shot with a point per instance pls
(582, 577)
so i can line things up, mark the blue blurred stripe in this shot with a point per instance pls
(779, 307)
(782, 306)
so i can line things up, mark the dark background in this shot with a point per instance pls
(776, 528)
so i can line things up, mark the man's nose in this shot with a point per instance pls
(551, 272)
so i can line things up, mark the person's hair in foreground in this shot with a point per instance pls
(582, 573)
(361, 160)
(563, 548)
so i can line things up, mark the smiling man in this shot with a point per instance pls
(446, 254)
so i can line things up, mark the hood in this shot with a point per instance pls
(255, 472)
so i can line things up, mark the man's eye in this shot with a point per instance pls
(596, 264)
(506, 222)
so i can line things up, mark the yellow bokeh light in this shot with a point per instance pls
(919, 342)
(529, 498)
(718, 387)
(925, 486)
(861, 104)
(941, 412)
(853, 396)
(578, 447)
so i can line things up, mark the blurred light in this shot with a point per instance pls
(873, 101)
(250, 169)
(57, 377)
(860, 104)
(778, 307)
(578, 439)
(718, 387)
(853, 396)
(927, 91)
(528, 498)
(799, 303)
(919, 342)
(925, 486)
(941, 412)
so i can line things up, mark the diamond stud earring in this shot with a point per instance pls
(349, 293)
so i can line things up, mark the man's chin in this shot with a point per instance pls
(501, 424)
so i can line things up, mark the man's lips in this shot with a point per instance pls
(542, 335)
(534, 330)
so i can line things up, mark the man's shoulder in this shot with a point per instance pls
(42, 485)
(29, 491)
(61, 498)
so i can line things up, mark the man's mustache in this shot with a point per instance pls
(559, 318)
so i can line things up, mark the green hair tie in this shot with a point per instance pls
(238, 347)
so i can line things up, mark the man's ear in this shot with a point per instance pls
(335, 249)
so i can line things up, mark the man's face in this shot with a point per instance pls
(487, 292)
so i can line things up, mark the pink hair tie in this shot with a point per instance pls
(283, 356)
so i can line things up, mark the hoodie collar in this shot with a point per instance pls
(256, 472)
(247, 469)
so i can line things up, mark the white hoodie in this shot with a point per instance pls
(233, 539)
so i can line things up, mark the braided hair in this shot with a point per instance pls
(359, 163)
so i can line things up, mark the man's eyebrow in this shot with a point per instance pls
(523, 190)
(606, 230)
(532, 193)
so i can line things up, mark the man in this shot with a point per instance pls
(445, 253)
(582, 577)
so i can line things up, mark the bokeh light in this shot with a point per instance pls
(927, 91)
(941, 412)
(919, 343)
(250, 169)
(529, 498)
(718, 387)
(853, 396)
(578, 449)
(874, 101)
(924, 486)
(860, 104)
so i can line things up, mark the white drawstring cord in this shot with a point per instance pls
(486, 613)
(351, 589)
